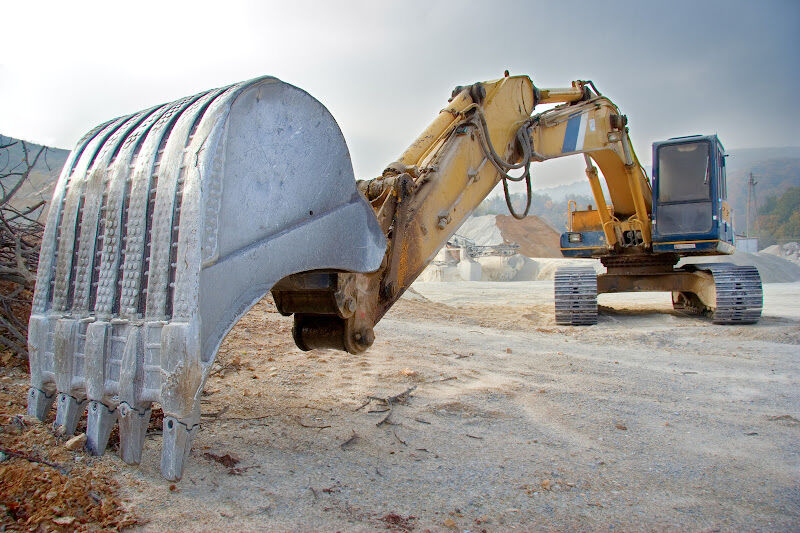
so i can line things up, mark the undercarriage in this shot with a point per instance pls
(727, 293)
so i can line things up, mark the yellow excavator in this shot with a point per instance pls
(643, 230)
(167, 225)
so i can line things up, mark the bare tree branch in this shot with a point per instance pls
(20, 238)
(29, 165)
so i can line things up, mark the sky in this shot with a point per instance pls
(385, 69)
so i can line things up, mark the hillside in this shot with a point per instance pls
(41, 180)
(553, 212)
(562, 193)
(775, 170)
(779, 218)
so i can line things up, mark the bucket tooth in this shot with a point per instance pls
(100, 421)
(177, 443)
(40, 402)
(133, 423)
(68, 411)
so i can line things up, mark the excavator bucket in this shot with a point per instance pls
(165, 227)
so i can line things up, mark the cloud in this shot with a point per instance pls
(385, 69)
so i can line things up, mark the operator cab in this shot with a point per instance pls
(691, 214)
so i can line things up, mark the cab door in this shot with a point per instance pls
(724, 212)
(685, 207)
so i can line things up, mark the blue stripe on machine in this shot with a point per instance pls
(571, 134)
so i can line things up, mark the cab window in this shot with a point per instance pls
(723, 181)
(684, 172)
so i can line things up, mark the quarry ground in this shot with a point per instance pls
(650, 420)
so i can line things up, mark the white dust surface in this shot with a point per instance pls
(650, 420)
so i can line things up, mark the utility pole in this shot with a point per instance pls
(751, 200)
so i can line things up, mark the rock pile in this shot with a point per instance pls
(789, 251)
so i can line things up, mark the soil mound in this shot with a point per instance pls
(789, 251)
(482, 230)
(536, 238)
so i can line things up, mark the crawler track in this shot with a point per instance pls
(739, 293)
(576, 296)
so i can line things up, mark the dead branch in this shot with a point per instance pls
(390, 402)
(20, 239)
(443, 379)
(363, 405)
(312, 427)
(28, 166)
(349, 441)
(385, 419)
(397, 398)
(13, 346)
(404, 443)
(24, 214)
(216, 414)
(28, 457)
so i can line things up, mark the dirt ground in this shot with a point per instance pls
(648, 421)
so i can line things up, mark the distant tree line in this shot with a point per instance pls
(779, 218)
(552, 212)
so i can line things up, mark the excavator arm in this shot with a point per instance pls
(593, 126)
(419, 201)
(423, 197)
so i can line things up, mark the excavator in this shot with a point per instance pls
(168, 224)
(645, 230)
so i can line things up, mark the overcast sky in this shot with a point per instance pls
(384, 69)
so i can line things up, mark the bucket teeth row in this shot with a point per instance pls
(127, 358)
(133, 425)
